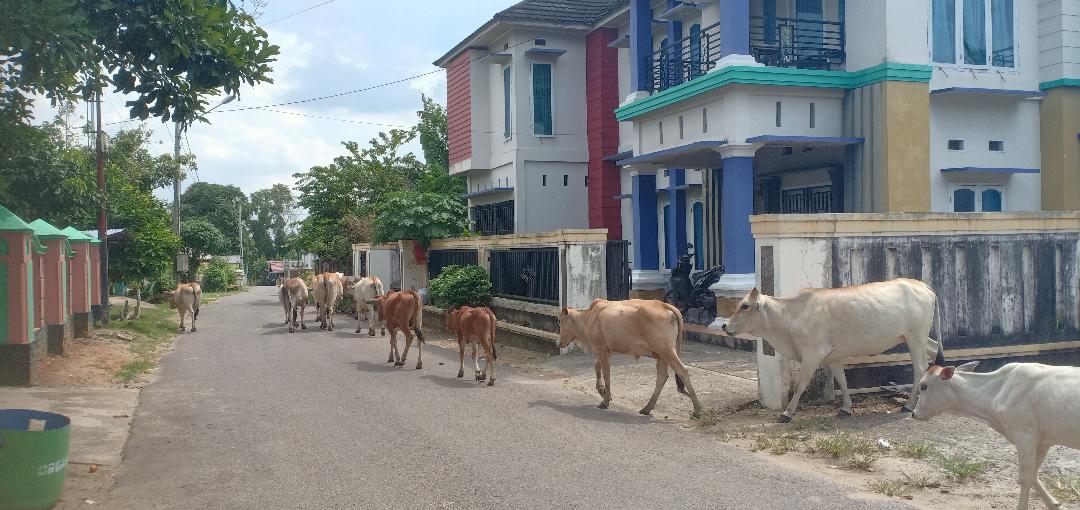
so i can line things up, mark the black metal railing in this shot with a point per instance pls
(686, 58)
(797, 42)
(493, 219)
(808, 200)
(439, 259)
(618, 270)
(526, 274)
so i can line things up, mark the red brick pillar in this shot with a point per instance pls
(80, 282)
(19, 353)
(602, 97)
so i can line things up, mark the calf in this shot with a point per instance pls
(475, 326)
(293, 293)
(365, 291)
(1034, 406)
(826, 326)
(185, 299)
(327, 291)
(636, 327)
(403, 311)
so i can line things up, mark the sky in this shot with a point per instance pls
(341, 46)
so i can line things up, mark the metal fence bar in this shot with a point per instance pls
(618, 270)
(526, 274)
(439, 259)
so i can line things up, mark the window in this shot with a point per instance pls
(543, 180)
(680, 127)
(704, 120)
(808, 28)
(812, 200)
(778, 114)
(565, 180)
(768, 14)
(812, 120)
(660, 126)
(956, 145)
(542, 104)
(507, 131)
(997, 146)
(586, 181)
(973, 32)
(493, 219)
(977, 198)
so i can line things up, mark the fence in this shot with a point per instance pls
(439, 259)
(526, 274)
(619, 270)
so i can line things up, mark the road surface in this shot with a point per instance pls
(245, 415)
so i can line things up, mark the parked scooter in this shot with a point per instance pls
(686, 291)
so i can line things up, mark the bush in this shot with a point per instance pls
(218, 276)
(461, 285)
(164, 282)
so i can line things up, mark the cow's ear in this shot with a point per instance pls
(967, 367)
(565, 311)
(946, 373)
(754, 294)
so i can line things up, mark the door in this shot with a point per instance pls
(977, 198)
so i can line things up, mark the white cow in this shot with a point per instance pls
(328, 290)
(186, 299)
(826, 326)
(1034, 406)
(364, 292)
(293, 294)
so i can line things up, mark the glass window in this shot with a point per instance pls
(991, 200)
(964, 200)
(944, 38)
(768, 13)
(542, 104)
(506, 102)
(1001, 16)
(975, 32)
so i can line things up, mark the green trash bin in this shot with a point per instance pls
(33, 458)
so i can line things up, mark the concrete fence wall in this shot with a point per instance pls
(1008, 284)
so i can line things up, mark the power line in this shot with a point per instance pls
(287, 16)
(191, 152)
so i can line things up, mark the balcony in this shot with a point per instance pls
(685, 59)
(797, 42)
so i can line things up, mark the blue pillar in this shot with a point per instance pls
(734, 27)
(737, 204)
(646, 251)
(676, 221)
(674, 53)
(641, 44)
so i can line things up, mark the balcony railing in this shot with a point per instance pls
(797, 42)
(686, 58)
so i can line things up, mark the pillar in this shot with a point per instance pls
(641, 42)
(1060, 146)
(676, 221)
(602, 98)
(81, 273)
(19, 352)
(647, 280)
(734, 27)
(674, 53)
(97, 284)
(736, 206)
(58, 325)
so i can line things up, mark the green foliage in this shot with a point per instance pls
(420, 217)
(960, 468)
(151, 243)
(166, 281)
(269, 225)
(167, 56)
(218, 276)
(461, 285)
(202, 238)
(433, 133)
(217, 204)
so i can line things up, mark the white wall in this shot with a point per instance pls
(977, 119)
(540, 208)
(1059, 39)
(385, 264)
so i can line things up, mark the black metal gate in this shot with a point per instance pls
(618, 270)
(527, 274)
(439, 259)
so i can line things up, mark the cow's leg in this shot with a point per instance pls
(599, 378)
(1049, 500)
(358, 316)
(806, 373)
(408, 345)
(183, 316)
(303, 309)
(476, 362)
(683, 373)
(394, 357)
(1026, 454)
(193, 321)
(490, 349)
(837, 369)
(461, 357)
(605, 368)
(419, 354)
(330, 315)
(661, 380)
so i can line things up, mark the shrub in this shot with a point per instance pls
(461, 285)
(218, 276)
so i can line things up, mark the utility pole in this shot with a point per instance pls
(240, 231)
(176, 195)
(103, 227)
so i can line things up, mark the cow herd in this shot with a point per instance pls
(1034, 406)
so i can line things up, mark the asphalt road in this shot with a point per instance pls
(245, 415)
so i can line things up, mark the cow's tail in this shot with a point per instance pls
(494, 327)
(418, 318)
(679, 383)
(939, 357)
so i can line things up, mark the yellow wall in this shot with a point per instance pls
(1060, 114)
(906, 122)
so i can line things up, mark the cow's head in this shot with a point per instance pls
(937, 392)
(170, 296)
(377, 305)
(747, 319)
(453, 318)
(569, 331)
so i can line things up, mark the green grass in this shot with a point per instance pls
(917, 481)
(861, 461)
(916, 449)
(1066, 488)
(776, 443)
(961, 469)
(154, 329)
(841, 445)
(132, 370)
(892, 488)
(707, 419)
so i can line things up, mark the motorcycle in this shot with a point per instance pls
(686, 291)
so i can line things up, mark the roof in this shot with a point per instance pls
(558, 12)
(11, 223)
(75, 236)
(46, 231)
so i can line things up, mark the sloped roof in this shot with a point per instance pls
(560, 11)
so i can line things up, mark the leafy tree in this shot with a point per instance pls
(269, 226)
(202, 238)
(420, 217)
(170, 55)
(217, 204)
(148, 251)
(461, 285)
(218, 276)
(433, 133)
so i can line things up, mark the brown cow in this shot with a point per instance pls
(475, 326)
(636, 327)
(403, 311)
(185, 298)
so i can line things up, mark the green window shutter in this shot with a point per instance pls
(542, 115)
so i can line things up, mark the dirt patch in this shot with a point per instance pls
(93, 363)
(86, 486)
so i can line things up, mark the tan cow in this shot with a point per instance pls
(403, 311)
(475, 326)
(186, 298)
(636, 327)
(366, 290)
(328, 290)
(293, 293)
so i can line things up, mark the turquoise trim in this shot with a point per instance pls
(776, 76)
(1061, 82)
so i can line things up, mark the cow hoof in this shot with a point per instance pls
(491, 382)
(303, 326)
(843, 414)
(696, 414)
(370, 332)
(193, 329)
(906, 410)
(603, 405)
(645, 412)
(461, 373)
(419, 366)
(398, 364)
(783, 419)
(291, 330)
